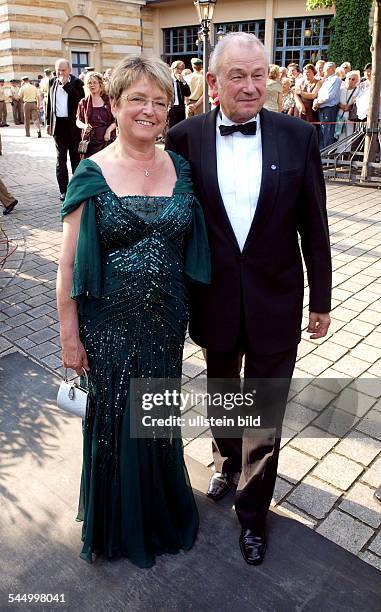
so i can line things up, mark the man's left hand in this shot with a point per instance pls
(318, 325)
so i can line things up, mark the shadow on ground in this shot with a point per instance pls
(40, 459)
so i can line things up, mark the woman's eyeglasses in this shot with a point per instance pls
(159, 106)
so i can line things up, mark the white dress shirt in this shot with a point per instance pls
(61, 102)
(239, 171)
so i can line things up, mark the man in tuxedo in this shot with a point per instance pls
(65, 91)
(259, 178)
(181, 90)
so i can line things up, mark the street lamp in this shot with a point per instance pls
(205, 10)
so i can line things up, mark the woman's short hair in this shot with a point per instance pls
(353, 73)
(135, 67)
(274, 72)
(94, 75)
(310, 67)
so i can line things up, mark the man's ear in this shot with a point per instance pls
(212, 82)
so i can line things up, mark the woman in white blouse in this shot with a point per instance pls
(274, 90)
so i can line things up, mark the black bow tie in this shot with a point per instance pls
(248, 129)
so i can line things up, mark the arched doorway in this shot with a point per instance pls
(82, 44)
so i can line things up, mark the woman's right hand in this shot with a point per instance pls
(74, 355)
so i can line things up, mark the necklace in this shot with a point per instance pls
(147, 171)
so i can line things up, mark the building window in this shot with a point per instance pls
(79, 61)
(254, 27)
(301, 40)
(181, 44)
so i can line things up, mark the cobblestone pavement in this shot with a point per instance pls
(330, 462)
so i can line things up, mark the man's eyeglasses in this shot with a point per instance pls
(159, 106)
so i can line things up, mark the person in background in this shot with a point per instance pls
(363, 95)
(30, 97)
(196, 84)
(181, 90)
(44, 89)
(274, 90)
(294, 73)
(288, 100)
(320, 69)
(94, 116)
(346, 66)
(187, 74)
(340, 72)
(106, 79)
(14, 98)
(367, 76)
(306, 93)
(65, 92)
(283, 73)
(7, 199)
(327, 104)
(348, 94)
(3, 105)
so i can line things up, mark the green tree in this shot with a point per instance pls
(351, 39)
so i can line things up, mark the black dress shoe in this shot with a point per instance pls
(62, 196)
(253, 545)
(39, 134)
(8, 209)
(377, 494)
(220, 484)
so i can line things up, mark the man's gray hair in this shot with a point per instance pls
(242, 37)
(62, 59)
(330, 65)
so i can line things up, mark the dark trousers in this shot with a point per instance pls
(18, 113)
(175, 115)
(254, 453)
(65, 142)
(3, 113)
(327, 116)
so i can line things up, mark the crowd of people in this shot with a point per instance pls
(332, 98)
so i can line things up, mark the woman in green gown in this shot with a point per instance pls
(133, 230)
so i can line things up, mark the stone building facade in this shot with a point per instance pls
(87, 32)
(33, 34)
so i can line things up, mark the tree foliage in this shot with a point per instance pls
(312, 4)
(351, 39)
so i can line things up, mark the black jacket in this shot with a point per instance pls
(75, 91)
(265, 281)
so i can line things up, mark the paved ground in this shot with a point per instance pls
(330, 462)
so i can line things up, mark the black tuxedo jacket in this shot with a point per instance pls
(183, 91)
(75, 91)
(264, 283)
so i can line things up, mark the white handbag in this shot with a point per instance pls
(72, 397)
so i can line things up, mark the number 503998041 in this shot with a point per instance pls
(36, 597)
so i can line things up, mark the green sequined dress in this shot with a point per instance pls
(136, 500)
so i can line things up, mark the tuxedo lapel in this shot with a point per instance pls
(179, 93)
(270, 176)
(53, 93)
(208, 159)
